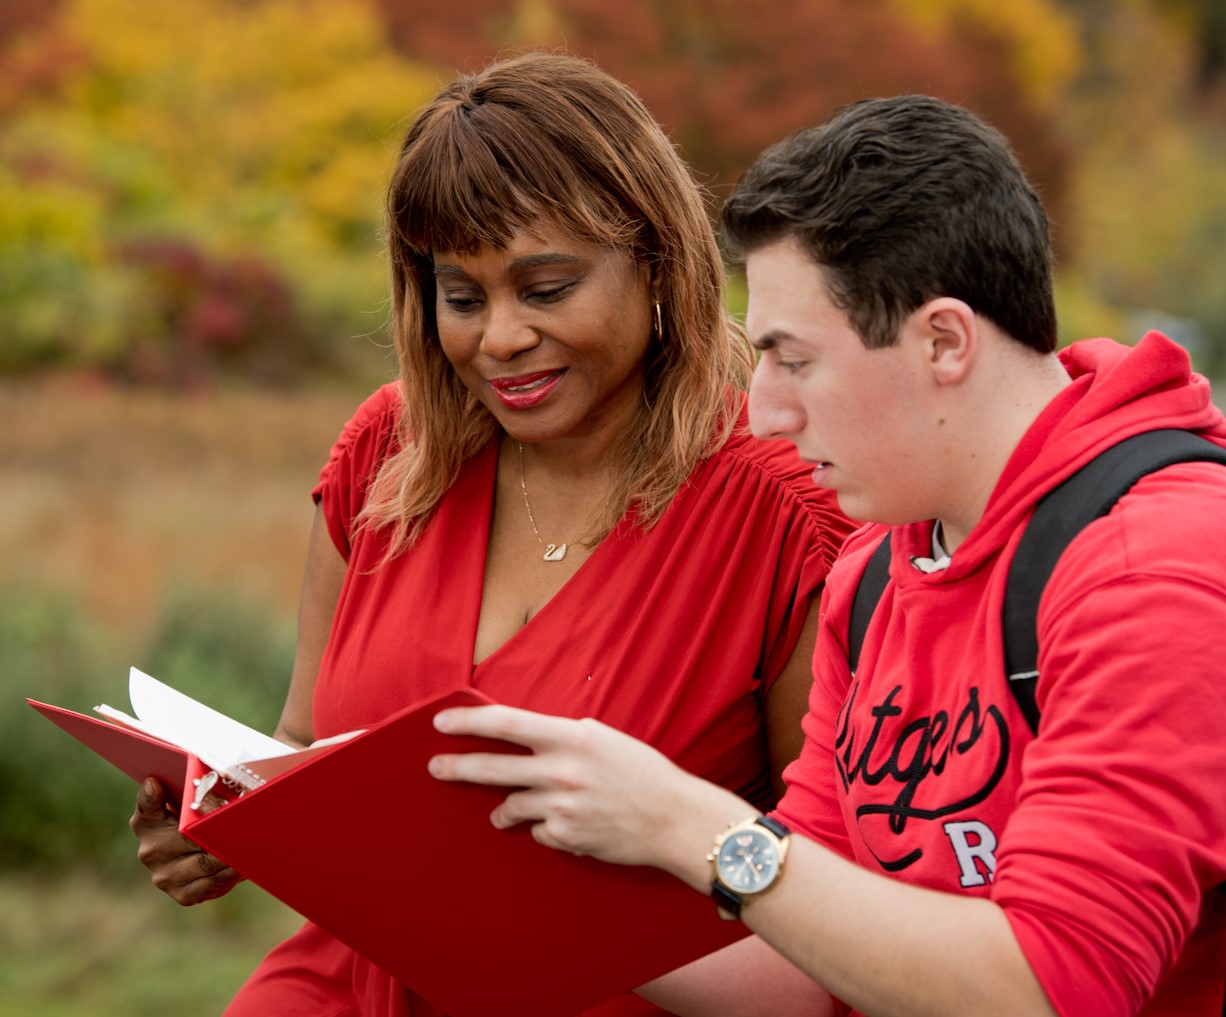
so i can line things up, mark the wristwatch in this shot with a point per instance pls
(747, 860)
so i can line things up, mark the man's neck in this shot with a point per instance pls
(1013, 388)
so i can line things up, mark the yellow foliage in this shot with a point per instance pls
(1041, 34)
(257, 131)
(536, 23)
(50, 213)
(280, 116)
(1150, 232)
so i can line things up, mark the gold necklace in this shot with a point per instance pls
(553, 552)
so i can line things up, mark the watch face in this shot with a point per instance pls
(748, 861)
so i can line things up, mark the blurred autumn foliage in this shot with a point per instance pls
(193, 190)
(194, 187)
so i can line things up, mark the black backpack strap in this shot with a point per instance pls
(872, 584)
(1060, 515)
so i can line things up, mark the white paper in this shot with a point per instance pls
(213, 737)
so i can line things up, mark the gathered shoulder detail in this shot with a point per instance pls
(365, 442)
(780, 469)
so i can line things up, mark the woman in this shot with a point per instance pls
(550, 504)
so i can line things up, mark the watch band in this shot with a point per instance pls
(729, 903)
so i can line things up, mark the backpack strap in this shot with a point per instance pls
(1060, 515)
(872, 585)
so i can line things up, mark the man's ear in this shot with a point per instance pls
(949, 337)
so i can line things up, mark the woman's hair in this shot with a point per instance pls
(552, 138)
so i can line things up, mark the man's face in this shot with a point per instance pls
(849, 410)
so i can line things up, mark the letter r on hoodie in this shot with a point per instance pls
(973, 840)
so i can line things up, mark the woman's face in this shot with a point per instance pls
(551, 334)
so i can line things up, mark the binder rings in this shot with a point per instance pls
(408, 871)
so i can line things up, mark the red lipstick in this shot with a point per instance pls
(524, 391)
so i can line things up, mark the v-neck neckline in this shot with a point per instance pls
(486, 493)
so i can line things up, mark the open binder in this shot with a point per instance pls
(408, 871)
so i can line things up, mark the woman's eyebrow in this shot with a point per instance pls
(528, 261)
(544, 260)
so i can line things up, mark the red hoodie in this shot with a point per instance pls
(1103, 836)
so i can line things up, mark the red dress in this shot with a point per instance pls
(673, 635)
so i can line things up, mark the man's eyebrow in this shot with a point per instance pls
(528, 261)
(769, 340)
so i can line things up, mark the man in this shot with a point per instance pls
(945, 858)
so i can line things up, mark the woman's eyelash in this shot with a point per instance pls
(546, 296)
(461, 303)
(551, 294)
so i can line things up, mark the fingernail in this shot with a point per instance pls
(149, 788)
(435, 767)
(442, 721)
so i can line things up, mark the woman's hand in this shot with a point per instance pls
(178, 867)
(590, 789)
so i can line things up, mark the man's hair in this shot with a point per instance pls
(551, 138)
(901, 200)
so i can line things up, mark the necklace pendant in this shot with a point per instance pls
(555, 552)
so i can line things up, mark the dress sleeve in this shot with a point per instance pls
(807, 529)
(363, 445)
(1110, 860)
(812, 803)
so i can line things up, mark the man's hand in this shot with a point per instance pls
(586, 788)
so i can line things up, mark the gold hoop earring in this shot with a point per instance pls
(659, 333)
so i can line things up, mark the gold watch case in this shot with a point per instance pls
(747, 860)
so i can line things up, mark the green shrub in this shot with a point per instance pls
(59, 805)
(231, 654)
(62, 804)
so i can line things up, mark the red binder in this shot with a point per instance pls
(408, 871)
